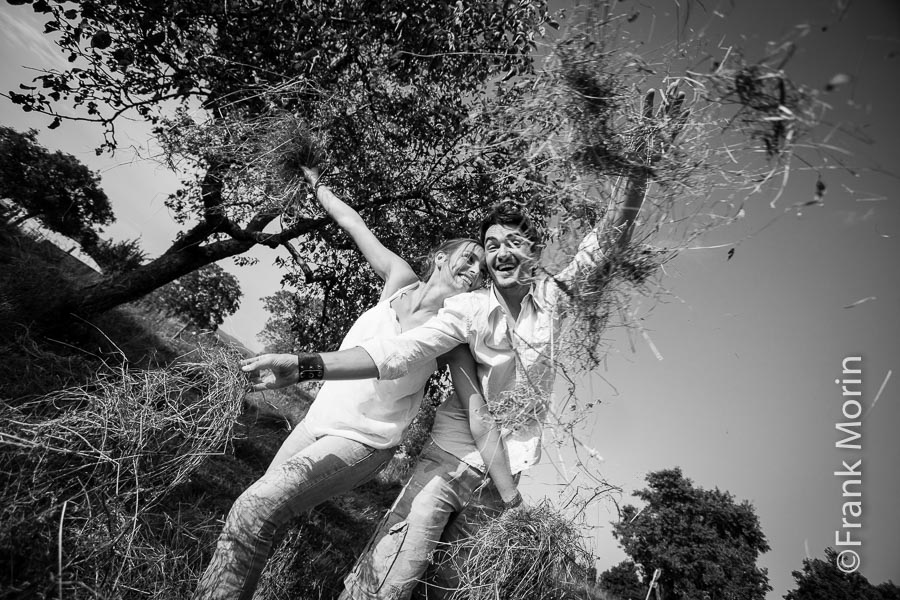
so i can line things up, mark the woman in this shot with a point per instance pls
(352, 426)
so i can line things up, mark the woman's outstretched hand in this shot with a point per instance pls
(284, 371)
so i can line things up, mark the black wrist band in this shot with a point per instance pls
(310, 367)
(516, 501)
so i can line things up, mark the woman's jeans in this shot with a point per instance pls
(305, 472)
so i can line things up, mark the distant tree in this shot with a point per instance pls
(820, 579)
(704, 542)
(52, 187)
(205, 296)
(295, 321)
(623, 581)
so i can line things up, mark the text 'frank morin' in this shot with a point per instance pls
(847, 537)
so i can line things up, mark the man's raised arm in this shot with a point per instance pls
(615, 231)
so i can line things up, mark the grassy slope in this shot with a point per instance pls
(41, 352)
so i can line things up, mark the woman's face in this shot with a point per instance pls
(463, 268)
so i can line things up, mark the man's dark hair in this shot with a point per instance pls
(511, 214)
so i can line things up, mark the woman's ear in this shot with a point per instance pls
(439, 259)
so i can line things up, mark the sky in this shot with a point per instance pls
(738, 388)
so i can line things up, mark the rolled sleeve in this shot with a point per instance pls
(450, 327)
(589, 255)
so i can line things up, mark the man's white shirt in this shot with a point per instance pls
(512, 357)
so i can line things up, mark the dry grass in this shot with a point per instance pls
(84, 470)
(266, 153)
(528, 553)
(116, 473)
(43, 349)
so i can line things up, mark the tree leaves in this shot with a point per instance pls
(205, 296)
(393, 102)
(101, 40)
(823, 579)
(53, 187)
(704, 542)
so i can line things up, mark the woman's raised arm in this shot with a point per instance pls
(392, 269)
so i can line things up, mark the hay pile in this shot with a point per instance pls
(84, 471)
(528, 553)
(260, 160)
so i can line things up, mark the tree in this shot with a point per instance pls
(430, 113)
(623, 581)
(205, 296)
(824, 579)
(293, 323)
(705, 543)
(52, 187)
(392, 85)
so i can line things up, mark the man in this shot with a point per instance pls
(510, 328)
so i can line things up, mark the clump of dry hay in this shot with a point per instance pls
(262, 156)
(528, 553)
(518, 407)
(605, 110)
(82, 470)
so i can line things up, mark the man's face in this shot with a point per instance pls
(509, 256)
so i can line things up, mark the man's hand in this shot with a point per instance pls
(284, 371)
(312, 175)
(667, 123)
(664, 126)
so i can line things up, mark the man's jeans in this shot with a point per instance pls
(305, 472)
(444, 501)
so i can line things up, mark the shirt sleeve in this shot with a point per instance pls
(450, 327)
(588, 255)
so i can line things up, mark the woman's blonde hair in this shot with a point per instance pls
(447, 247)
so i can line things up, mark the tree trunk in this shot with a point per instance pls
(110, 291)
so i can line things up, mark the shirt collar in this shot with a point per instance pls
(538, 293)
(534, 293)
